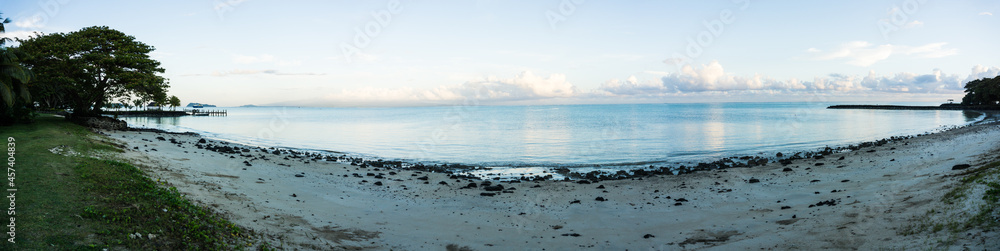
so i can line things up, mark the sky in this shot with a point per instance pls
(415, 53)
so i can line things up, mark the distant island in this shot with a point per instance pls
(248, 106)
(199, 105)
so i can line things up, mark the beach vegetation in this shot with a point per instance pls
(86, 69)
(15, 99)
(953, 217)
(985, 91)
(75, 194)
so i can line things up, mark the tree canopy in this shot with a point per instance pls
(15, 98)
(174, 102)
(89, 68)
(984, 91)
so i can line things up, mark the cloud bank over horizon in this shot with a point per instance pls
(709, 80)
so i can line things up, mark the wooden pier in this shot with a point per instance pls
(199, 112)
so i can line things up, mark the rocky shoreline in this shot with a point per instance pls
(568, 174)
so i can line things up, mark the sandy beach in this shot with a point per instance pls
(850, 200)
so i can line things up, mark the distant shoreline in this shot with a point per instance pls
(908, 107)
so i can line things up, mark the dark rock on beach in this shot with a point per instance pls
(960, 166)
(830, 202)
(493, 188)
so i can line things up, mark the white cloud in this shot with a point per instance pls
(632, 86)
(932, 50)
(709, 80)
(712, 78)
(524, 86)
(242, 59)
(862, 53)
(674, 61)
(915, 23)
(18, 34)
(979, 72)
(33, 22)
(985, 13)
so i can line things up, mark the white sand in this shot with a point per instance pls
(880, 196)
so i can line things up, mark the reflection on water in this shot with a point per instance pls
(714, 130)
(580, 135)
(173, 121)
(972, 115)
(545, 131)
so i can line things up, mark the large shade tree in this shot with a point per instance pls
(89, 68)
(15, 99)
(984, 91)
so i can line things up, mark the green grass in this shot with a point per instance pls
(957, 221)
(81, 202)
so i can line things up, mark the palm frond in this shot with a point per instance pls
(25, 94)
(5, 93)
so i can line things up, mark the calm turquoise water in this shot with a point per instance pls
(565, 135)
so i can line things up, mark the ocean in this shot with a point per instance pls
(525, 139)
